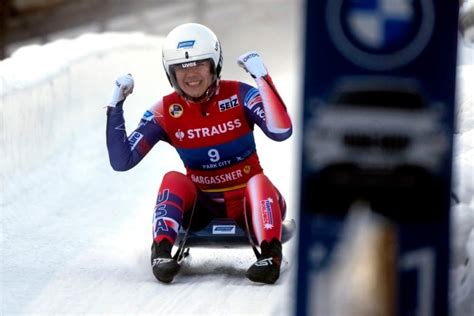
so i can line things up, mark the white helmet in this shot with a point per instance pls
(192, 42)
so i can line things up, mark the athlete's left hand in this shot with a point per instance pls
(253, 64)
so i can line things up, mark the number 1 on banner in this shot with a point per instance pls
(422, 261)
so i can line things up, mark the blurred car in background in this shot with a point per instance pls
(376, 125)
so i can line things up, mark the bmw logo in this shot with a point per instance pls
(380, 34)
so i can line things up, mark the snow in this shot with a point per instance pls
(75, 235)
(467, 5)
(462, 265)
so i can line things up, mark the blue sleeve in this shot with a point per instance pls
(125, 152)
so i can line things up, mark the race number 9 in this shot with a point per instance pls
(214, 155)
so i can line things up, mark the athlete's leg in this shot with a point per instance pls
(267, 208)
(176, 196)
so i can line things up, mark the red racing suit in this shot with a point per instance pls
(215, 141)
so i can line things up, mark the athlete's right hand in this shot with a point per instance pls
(123, 87)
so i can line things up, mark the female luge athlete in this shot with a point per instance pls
(210, 122)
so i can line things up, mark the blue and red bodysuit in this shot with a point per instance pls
(215, 141)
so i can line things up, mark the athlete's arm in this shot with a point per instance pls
(264, 105)
(125, 152)
(267, 111)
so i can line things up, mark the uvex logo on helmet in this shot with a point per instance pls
(188, 65)
(251, 55)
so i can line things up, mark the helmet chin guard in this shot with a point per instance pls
(192, 42)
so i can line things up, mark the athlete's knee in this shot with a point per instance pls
(176, 177)
(180, 186)
(259, 180)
